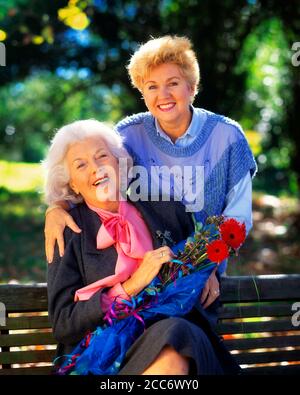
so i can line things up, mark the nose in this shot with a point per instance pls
(95, 165)
(163, 92)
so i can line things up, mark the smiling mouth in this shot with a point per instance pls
(101, 180)
(166, 107)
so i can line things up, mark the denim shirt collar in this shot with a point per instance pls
(191, 132)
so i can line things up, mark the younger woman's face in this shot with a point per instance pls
(167, 95)
(94, 171)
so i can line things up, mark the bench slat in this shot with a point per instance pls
(254, 327)
(260, 288)
(273, 370)
(38, 370)
(27, 356)
(27, 339)
(267, 357)
(33, 322)
(276, 310)
(263, 342)
(234, 289)
(22, 298)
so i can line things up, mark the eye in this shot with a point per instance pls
(173, 83)
(151, 87)
(100, 156)
(80, 165)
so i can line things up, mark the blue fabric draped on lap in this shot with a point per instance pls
(106, 348)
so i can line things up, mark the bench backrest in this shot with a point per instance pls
(260, 323)
(257, 322)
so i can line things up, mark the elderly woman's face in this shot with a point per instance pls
(167, 95)
(94, 171)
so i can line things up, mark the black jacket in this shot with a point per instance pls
(83, 264)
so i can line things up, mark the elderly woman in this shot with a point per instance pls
(117, 254)
(177, 135)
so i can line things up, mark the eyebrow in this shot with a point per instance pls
(98, 150)
(168, 79)
(77, 159)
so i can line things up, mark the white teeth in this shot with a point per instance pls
(98, 182)
(166, 106)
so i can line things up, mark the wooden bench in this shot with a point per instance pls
(255, 322)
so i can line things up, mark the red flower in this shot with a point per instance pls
(217, 251)
(233, 233)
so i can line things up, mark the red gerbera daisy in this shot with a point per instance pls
(233, 233)
(217, 251)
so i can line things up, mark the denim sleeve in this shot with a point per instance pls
(239, 207)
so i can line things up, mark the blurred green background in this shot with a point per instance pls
(65, 60)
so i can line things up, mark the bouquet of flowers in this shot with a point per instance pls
(173, 292)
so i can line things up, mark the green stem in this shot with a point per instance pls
(201, 258)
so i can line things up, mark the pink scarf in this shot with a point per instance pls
(127, 231)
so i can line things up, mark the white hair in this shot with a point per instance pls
(57, 175)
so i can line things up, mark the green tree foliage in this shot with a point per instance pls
(265, 62)
(236, 42)
(43, 102)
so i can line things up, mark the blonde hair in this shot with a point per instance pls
(57, 175)
(166, 49)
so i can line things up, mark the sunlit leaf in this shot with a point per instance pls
(254, 139)
(3, 35)
(78, 22)
(73, 16)
(68, 12)
(38, 40)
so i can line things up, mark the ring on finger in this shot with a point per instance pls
(216, 292)
(162, 254)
